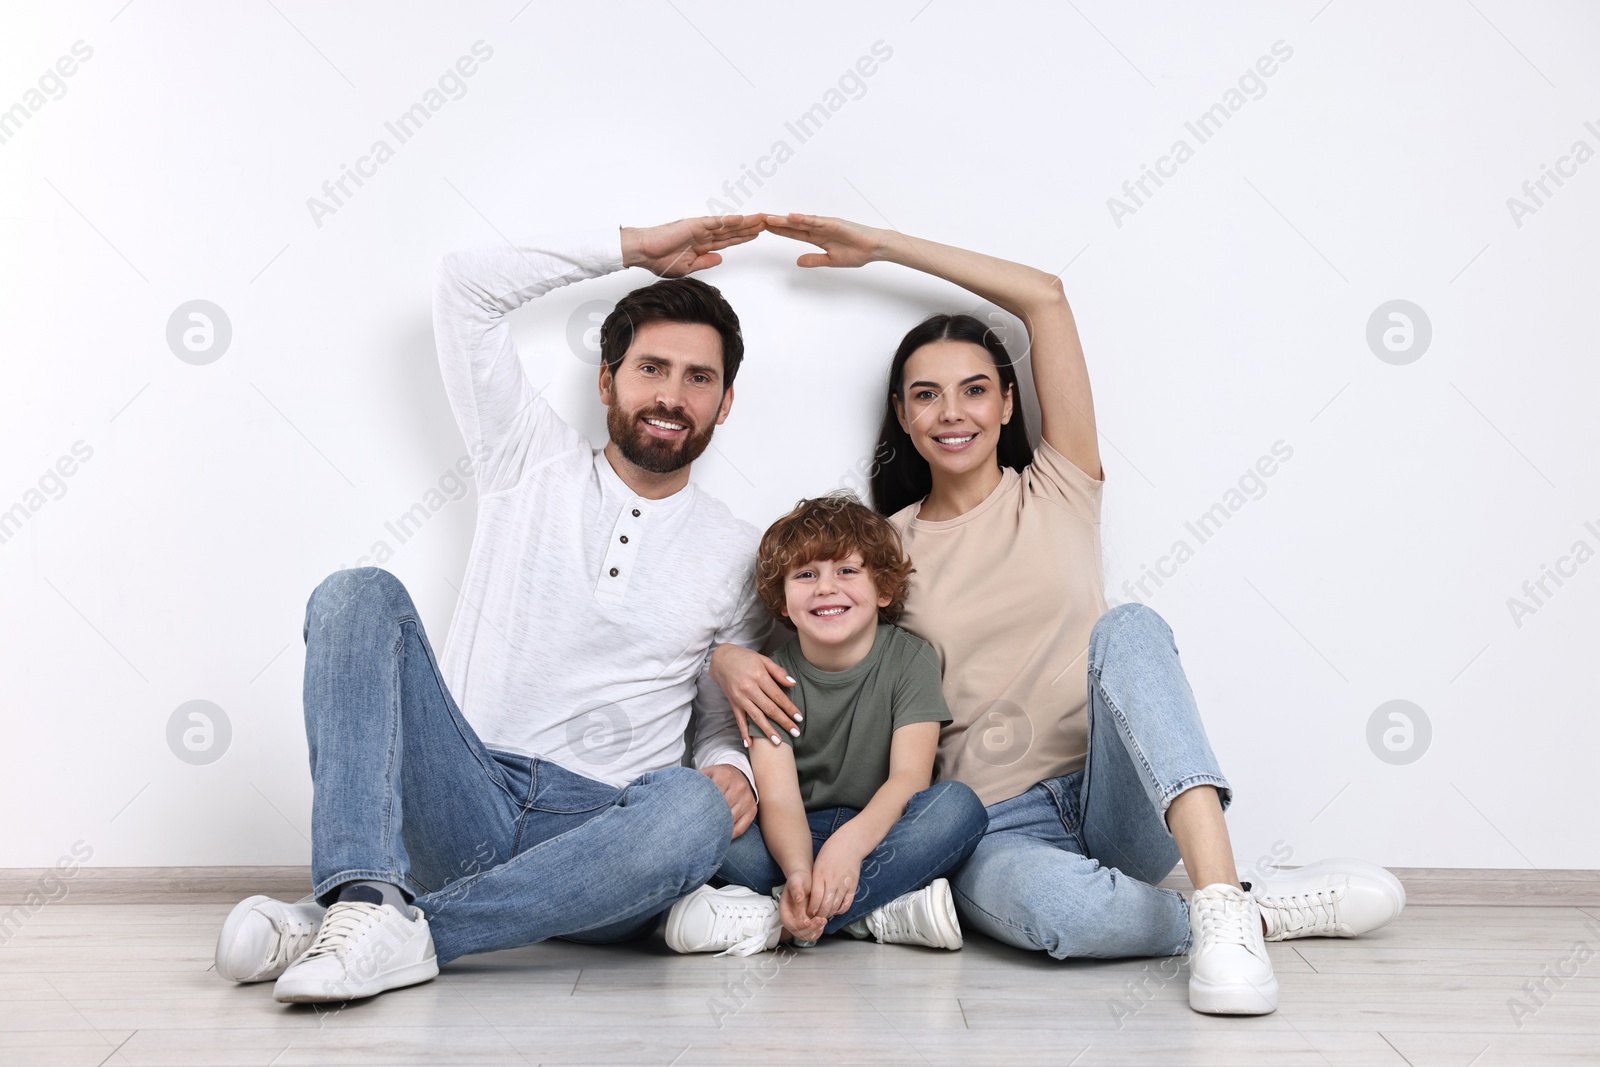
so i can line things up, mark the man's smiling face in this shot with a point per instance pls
(667, 396)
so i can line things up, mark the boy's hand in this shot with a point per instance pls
(677, 248)
(754, 686)
(795, 910)
(834, 879)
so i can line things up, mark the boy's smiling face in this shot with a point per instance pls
(832, 603)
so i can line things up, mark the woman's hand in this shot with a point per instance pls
(795, 911)
(675, 249)
(834, 878)
(754, 686)
(843, 244)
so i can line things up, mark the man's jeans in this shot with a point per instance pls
(1070, 866)
(940, 828)
(499, 850)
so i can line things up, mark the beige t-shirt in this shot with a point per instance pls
(1007, 594)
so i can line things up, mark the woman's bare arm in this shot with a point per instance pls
(1059, 372)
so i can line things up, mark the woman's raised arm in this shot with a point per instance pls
(1059, 372)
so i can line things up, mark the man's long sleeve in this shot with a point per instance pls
(493, 401)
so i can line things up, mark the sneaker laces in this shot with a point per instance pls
(893, 923)
(745, 926)
(344, 920)
(1302, 914)
(1225, 919)
(293, 937)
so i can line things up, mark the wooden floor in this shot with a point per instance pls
(87, 980)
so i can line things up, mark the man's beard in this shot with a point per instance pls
(652, 453)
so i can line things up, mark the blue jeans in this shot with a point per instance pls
(497, 849)
(940, 828)
(1070, 866)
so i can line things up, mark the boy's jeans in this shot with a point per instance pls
(1070, 866)
(941, 827)
(499, 850)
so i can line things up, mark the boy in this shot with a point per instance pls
(848, 825)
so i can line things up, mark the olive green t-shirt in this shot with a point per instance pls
(842, 753)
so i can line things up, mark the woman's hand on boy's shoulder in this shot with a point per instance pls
(755, 687)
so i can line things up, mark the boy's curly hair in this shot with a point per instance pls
(829, 528)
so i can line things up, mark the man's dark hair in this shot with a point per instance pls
(673, 300)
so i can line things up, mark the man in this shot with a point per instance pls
(551, 800)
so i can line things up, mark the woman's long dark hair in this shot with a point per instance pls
(900, 476)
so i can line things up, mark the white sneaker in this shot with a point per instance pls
(1229, 972)
(926, 917)
(262, 936)
(733, 921)
(1331, 898)
(361, 950)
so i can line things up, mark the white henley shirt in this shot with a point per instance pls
(588, 613)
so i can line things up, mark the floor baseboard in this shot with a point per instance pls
(226, 885)
(151, 885)
(1482, 886)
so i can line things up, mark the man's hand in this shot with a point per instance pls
(683, 247)
(737, 792)
(754, 686)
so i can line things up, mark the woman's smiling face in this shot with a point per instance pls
(953, 405)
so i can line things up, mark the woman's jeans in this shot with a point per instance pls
(940, 828)
(498, 850)
(1070, 866)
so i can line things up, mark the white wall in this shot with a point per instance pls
(1226, 313)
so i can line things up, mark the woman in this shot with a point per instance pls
(1074, 724)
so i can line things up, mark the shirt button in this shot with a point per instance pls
(613, 572)
(636, 513)
(624, 538)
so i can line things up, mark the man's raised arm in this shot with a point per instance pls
(497, 408)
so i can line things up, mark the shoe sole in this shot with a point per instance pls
(230, 934)
(943, 928)
(1233, 999)
(674, 930)
(946, 925)
(414, 974)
